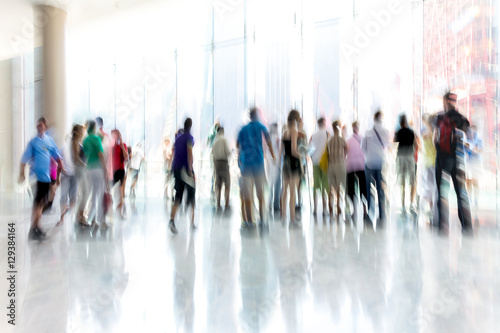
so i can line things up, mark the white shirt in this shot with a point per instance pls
(373, 148)
(67, 156)
(318, 143)
(137, 157)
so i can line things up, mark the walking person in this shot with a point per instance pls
(446, 141)
(337, 152)
(374, 146)
(405, 160)
(428, 189)
(74, 166)
(120, 157)
(249, 144)
(291, 164)
(182, 167)
(274, 172)
(220, 158)
(135, 166)
(39, 152)
(355, 165)
(96, 175)
(320, 179)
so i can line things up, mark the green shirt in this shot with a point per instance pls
(92, 146)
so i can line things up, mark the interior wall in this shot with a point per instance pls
(6, 158)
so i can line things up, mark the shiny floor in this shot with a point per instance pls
(325, 276)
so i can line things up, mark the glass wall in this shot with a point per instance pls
(145, 71)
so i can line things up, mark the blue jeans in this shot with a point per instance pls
(375, 176)
(276, 192)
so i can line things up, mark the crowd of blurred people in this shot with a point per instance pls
(86, 167)
(347, 172)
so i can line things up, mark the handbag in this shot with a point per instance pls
(323, 162)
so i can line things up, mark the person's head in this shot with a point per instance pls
(220, 131)
(378, 117)
(41, 125)
(293, 118)
(321, 123)
(116, 134)
(273, 129)
(336, 127)
(355, 127)
(90, 127)
(403, 122)
(188, 123)
(77, 132)
(449, 101)
(99, 123)
(253, 114)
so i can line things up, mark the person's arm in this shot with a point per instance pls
(346, 149)
(27, 156)
(363, 145)
(294, 136)
(190, 160)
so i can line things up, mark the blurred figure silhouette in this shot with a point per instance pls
(251, 154)
(220, 157)
(291, 164)
(405, 160)
(274, 172)
(120, 157)
(39, 153)
(355, 165)
(446, 141)
(428, 188)
(474, 149)
(374, 147)
(318, 141)
(337, 152)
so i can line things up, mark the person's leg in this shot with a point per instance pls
(438, 174)
(259, 188)
(277, 191)
(369, 181)
(99, 189)
(293, 185)
(65, 186)
(284, 195)
(316, 186)
(381, 195)
(248, 196)
(462, 201)
(227, 188)
(91, 181)
(351, 181)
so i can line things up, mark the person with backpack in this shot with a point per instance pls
(446, 139)
(374, 146)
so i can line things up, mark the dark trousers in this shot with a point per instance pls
(449, 165)
(352, 177)
(375, 176)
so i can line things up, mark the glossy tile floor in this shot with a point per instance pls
(325, 276)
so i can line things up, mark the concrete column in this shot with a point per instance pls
(53, 32)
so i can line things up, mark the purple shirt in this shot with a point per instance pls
(355, 160)
(181, 144)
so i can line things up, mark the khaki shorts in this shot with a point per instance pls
(222, 174)
(337, 175)
(320, 179)
(247, 184)
(405, 166)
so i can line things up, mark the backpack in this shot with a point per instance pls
(446, 140)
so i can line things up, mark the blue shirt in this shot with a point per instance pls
(181, 144)
(250, 142)
(39, 151)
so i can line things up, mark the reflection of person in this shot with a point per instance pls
(40, 150)
(337, 152)
(320, 179)
(182, 167)
(220, 156)
(374, 146)
(405, 159)
(446, 160)
(251, 154)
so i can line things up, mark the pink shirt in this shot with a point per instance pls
(355, 160)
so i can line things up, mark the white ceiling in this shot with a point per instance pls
(16, 19)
